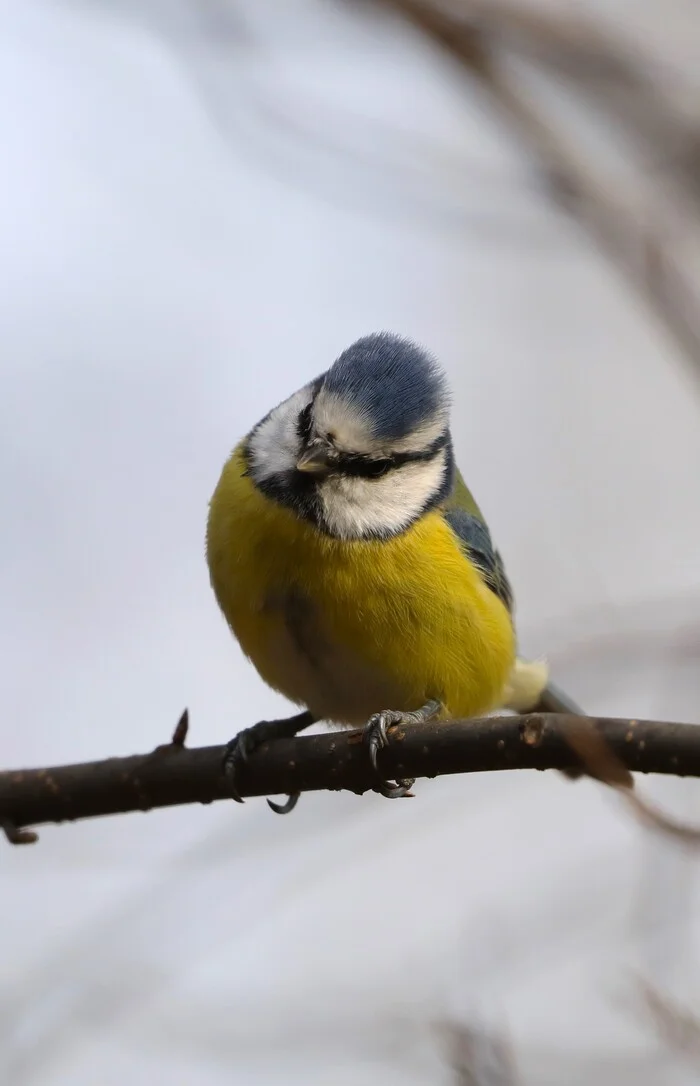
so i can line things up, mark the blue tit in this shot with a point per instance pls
(353, 564)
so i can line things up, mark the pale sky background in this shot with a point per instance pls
(197, 215)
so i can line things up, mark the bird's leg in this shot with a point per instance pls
(376, 738)
(248, 740)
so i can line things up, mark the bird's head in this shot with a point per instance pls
(363, 450)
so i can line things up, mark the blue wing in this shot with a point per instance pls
(465, 519)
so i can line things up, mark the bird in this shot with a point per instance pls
(354, 566)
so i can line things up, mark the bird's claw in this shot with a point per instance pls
(395, 791)
(235, 757)
(377, 739)
(284, 808)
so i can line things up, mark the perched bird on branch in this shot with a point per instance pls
(353, 564)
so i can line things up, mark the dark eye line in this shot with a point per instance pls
(364, 466)
(361, 464)
(304, 421)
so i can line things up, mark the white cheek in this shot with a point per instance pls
(355, 507)
(274, 447)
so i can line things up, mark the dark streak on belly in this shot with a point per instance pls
(299, 620)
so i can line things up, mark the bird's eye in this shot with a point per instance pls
(377, 468)
(304, 421)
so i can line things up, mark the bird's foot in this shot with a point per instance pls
(247, 741)
(377, 739)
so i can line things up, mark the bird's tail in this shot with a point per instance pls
(527, 684)
(529, 690)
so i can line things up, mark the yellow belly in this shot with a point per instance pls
(349, 628)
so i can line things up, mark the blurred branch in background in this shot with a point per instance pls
(637, 238)
(172, 774)
(677, 1027)
(642, 225)
(476, 1057)
(572, 45)
(348, 159)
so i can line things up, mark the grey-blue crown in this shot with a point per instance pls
(395, 383)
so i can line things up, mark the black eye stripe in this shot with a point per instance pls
(367, 468)
(304, 421)
(363, 466)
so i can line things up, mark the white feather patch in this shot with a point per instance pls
(349, 427)
(275, 445)
(423, 436)
(526, 684)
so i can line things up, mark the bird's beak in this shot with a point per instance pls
(315, 460)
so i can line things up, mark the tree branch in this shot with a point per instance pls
(174, 774)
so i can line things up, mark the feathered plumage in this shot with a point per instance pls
(350, 559)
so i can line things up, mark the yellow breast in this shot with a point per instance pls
(347, 628)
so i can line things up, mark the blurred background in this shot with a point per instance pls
(203, 203)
